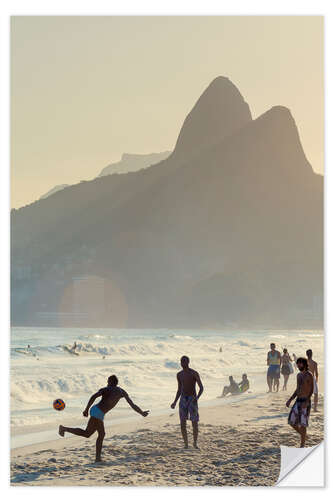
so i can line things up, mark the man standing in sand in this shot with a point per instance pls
(313, 368)
(110, 397)
(273, 371)
(188, 405)
(300, 412)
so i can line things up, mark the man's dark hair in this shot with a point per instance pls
(113, 380)
(309, 353)
(272, 344)
(304, 361)
(186, 359)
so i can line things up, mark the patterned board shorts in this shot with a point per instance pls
(188, 408)
(299, 414)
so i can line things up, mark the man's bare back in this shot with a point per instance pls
(110, 397)
(313, 368)
(187, 379)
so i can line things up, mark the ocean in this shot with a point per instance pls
(146, 363)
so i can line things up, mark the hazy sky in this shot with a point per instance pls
(86, 89)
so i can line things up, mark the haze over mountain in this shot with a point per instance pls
(227, 230)
(131, 162)
(55, 189)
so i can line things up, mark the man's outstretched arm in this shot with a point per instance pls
(134, 406)
(90, 402)
(178, 393)
(200, 385)
(295, 393)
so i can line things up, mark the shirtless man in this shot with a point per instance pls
(313, 368)
(232, 388)
(110, 397)
(273, 371)
(188, 405)
(300, 412)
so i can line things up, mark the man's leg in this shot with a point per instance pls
(184, 432)
(277, 384)
(286, 381)
(90, 429)
(269, 383)
(99, 440)
(302, 432)
(296, 427)
(315, 402)
(195, 427)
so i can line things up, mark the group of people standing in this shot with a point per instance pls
(307, 385)
(283, 363)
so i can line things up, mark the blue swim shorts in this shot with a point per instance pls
(96, 412)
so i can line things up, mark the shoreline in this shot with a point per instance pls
(239, 445)
(113, 420)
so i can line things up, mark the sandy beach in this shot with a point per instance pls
(239, 445)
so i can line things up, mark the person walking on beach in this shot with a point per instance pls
(273, 371)
(299, 415)
(313, 368)
(286, 367)
(188, 405)
(111, 394)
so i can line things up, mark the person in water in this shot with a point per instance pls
(74, 346)
(232, 388)
(273, 371)
(286, 363)
(244, 384)
(188, 405)
(111, 394)
(300, 413)
(313, 368)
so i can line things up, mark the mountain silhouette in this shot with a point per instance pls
(219, 112)
(55, 189)
(131, 162)
(226, 231)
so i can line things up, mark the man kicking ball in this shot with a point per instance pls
(188, 405)
(110, 397)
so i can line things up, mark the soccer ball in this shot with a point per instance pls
(59, 404)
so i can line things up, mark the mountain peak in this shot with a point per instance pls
(219, 112)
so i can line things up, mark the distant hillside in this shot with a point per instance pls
(53, 190)
(227, 230)
(133, 162)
